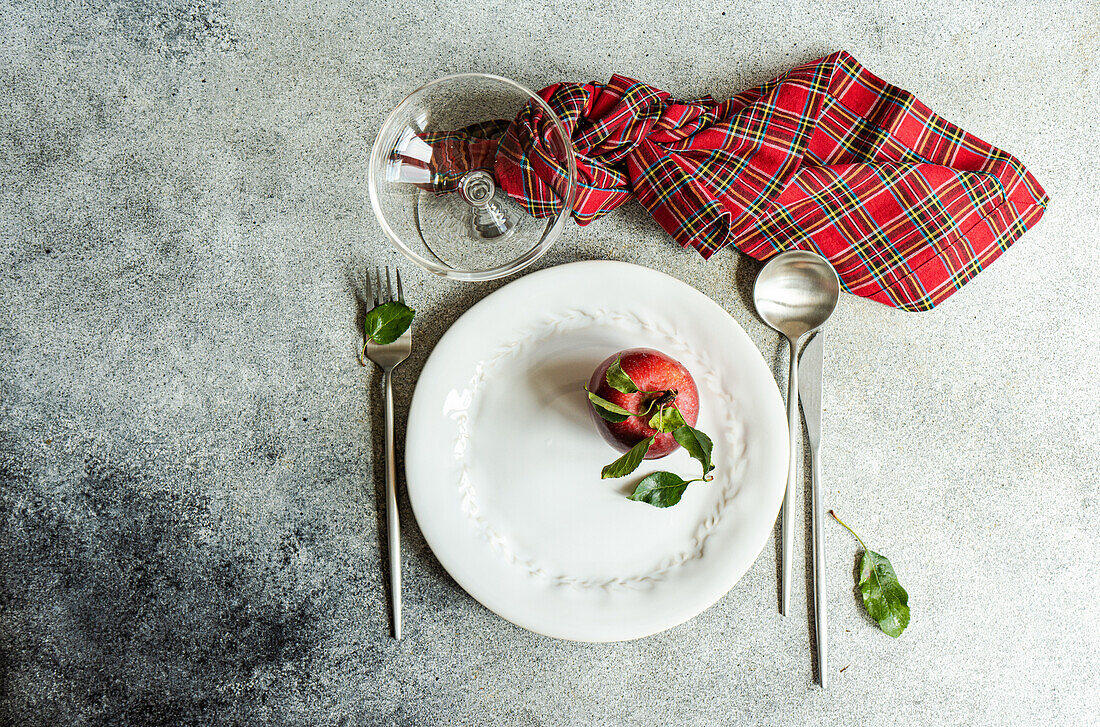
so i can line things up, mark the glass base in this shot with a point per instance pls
(453, 234)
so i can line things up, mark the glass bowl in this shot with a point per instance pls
(434, 185)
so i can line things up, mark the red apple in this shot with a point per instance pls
(650, 370)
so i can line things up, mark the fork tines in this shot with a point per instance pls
(378, 295)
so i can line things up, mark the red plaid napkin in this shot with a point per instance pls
(827, 157)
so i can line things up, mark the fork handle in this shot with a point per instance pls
(393, 524)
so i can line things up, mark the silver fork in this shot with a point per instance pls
(387, 357)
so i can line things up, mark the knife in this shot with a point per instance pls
(809, 395)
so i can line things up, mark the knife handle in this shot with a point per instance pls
(821, 606)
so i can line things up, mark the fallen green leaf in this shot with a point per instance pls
(883, 597)
(387, 322)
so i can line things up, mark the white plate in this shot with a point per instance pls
(503, 462)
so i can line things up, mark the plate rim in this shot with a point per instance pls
(777, 408)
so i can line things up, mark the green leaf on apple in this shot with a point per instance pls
(661, 489)
(657, 408)
(610, 411)
(697, 444)
(667, 419)
(628, 462)
(619, 380)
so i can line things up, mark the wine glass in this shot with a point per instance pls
(435, 184)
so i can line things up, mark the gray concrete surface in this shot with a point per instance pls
(188, 449)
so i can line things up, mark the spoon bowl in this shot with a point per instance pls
(796, 292)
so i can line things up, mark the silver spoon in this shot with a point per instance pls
(795, 294)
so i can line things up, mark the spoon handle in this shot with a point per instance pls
(788, 496)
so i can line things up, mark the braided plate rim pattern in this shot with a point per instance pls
(732, 452)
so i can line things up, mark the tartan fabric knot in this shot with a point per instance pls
(828, 157)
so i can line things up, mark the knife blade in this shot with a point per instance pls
(810, 372)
